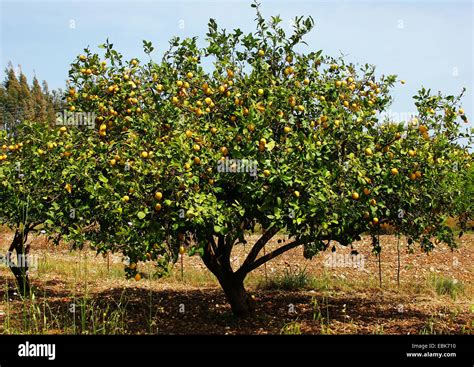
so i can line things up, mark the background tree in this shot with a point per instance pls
(37, 168)
(19, 101)
(25, 99)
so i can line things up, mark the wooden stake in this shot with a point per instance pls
(398, 255)
(182, 268)
(265, 265)
(380, 260)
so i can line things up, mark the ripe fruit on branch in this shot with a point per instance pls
(355, 196)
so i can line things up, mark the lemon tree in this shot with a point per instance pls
(37, 179)
(194, 151)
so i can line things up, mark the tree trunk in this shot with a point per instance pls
(20, 269)
(236, 294)
(217, 260)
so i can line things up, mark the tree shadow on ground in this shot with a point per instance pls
(205, 311)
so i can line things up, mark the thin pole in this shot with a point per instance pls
(265, 265)
(182, 269)
(380, 261)
(398, 255)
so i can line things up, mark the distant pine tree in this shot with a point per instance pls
(25, 99)
(19, 101)
(55, 101)
(11, 105)
(40, 102)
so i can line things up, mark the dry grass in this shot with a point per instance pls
(294, 295)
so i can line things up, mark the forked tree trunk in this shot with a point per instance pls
(231, 283)
(20, 268)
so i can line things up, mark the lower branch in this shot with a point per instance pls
(262, 241)
(273, 254)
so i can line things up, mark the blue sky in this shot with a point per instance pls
(427, 43)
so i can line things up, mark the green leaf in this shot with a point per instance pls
(271, 145)
(141, 215)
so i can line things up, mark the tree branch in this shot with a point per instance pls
(212, 242)
(262, 241)
(273, 254)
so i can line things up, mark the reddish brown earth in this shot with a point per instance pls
(337, 300)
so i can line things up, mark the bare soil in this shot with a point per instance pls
(339, 300)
